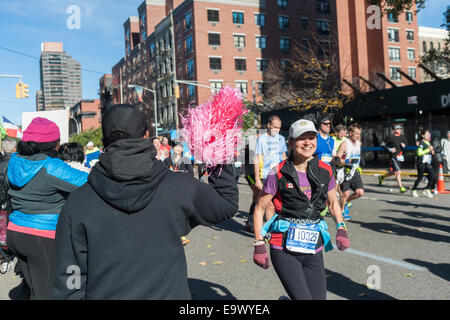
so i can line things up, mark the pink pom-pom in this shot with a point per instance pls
(211, 129)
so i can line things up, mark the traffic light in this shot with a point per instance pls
(19, 90)
(25, 92)
(177, 91)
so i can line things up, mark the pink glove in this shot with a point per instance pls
(260, 256)
(342, 240)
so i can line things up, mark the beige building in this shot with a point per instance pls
(429, 39)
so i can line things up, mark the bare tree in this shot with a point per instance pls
(309, 79)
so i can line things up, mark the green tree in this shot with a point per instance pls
(94, 135)
(398, 6)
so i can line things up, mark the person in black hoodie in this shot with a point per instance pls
(118, 236)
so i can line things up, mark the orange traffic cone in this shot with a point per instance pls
(441, 184)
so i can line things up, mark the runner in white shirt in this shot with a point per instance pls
(349, 176)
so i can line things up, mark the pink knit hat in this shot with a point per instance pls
(41, 130)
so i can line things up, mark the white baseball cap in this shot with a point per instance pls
(90, 144)
(301, 126)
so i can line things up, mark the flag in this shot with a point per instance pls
(11, 129)
(139, 90)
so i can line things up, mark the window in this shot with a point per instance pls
(424, 45)
(144, 36)
(242, 86)
(323, 27)
(393, 35)
(190, 68)
(431, 45)
(411, 53)
(394, 54)
(409, 35)
(261, 42)
(261, 64)
(283, 22)
(394, 74)
(179, 49)
(240, 64)
(213, 15)
(412, 72)
(239, 41)
(323, 7)
(261, 88)
(215, 86)
(393, 18)
(409, 16)
(191, 91)
(187, 21)
(260, 19)
(285, 44)
(214, 39)
(238, 17)
(188, 45)
(282, 3)
(305, 44)
(305, 23)
(215, 63)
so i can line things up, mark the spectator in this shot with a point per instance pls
(438, 157)
(126, 242)
(177, 163)
(92, 154)
(445, 142)
(159, 153)
(38, 185)
(9, 147)
(165, 147)
(73, 155)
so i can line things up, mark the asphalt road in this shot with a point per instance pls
(399, 250)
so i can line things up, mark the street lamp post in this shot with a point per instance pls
(154, 102)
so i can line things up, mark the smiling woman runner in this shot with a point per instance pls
(299, 188)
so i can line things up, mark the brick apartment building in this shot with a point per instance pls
(214, 43)
(84, 115)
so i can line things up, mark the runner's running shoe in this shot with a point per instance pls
(346, 213)
(415, 194)
(427, 193)
(402, 189)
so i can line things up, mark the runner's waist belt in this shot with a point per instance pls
(282, 225)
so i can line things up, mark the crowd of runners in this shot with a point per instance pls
(91, 210)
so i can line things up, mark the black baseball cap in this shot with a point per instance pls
(124, 118)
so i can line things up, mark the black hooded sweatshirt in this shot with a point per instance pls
(120, 232)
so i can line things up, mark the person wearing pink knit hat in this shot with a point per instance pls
(39, 183)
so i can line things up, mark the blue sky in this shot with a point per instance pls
(97, 45)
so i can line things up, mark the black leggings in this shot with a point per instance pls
(35, 255)
(421, 169)
(302, 275)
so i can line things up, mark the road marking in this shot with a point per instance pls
(384, 259)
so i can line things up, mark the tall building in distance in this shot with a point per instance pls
(60, 78)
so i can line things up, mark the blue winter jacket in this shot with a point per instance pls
(39, 186)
